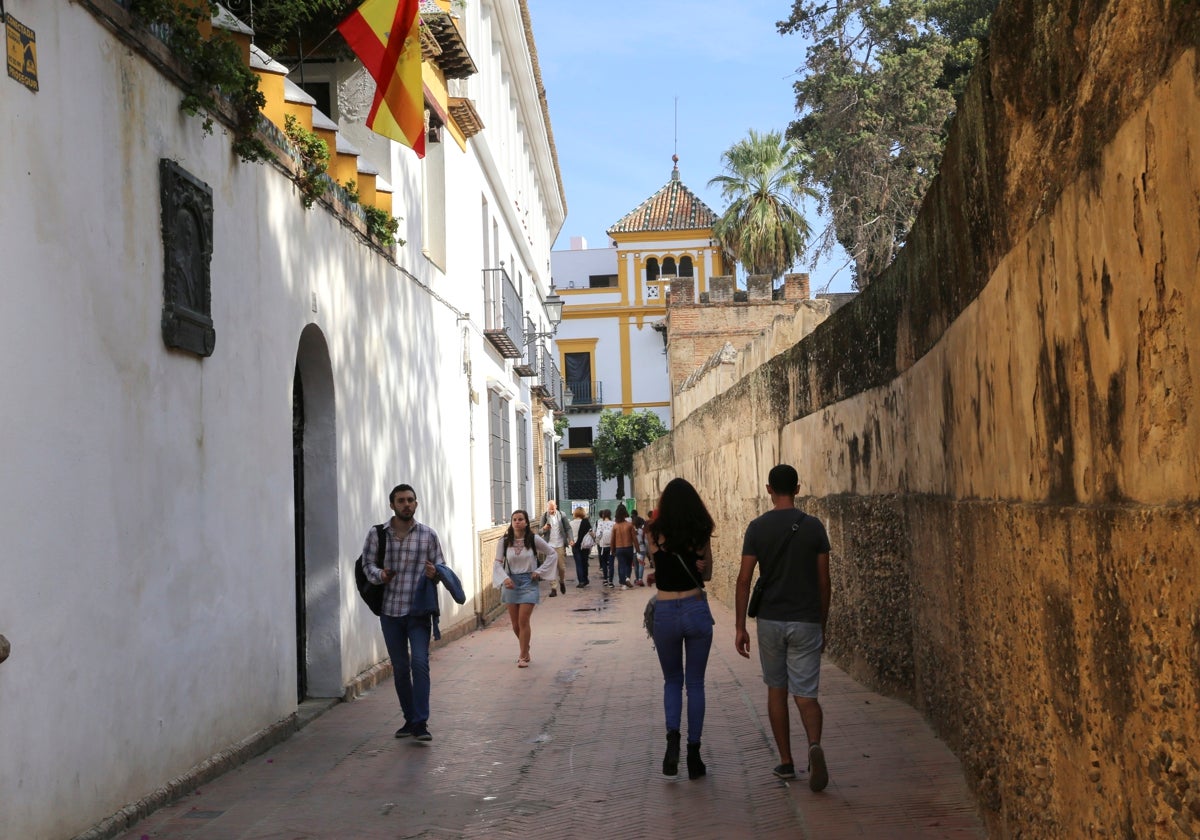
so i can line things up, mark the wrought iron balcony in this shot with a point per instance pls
(549, 384)
(527, 365)
(504, 320)
(584, 394)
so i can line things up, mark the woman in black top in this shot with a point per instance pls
(678, 540)
(580, 528)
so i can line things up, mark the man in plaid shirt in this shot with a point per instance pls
(413, 550)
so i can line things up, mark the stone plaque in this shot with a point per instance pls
(187, 226)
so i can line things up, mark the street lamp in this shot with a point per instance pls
(553, 304)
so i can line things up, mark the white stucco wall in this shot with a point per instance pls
(148, 582)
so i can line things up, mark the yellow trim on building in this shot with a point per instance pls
(626, 363)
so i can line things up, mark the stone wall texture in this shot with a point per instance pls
(1002, 433)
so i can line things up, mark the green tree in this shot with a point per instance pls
(291, 26)
(619, 437)
(875, 97)
(763, 227)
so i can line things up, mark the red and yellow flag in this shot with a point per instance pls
(385, 36)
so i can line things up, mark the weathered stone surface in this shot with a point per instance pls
(1002, 433)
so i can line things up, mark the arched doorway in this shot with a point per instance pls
(314, 478)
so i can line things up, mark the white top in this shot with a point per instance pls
(523, 561)
(556, 534)
(604, 533)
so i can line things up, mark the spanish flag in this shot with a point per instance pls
(385, 35)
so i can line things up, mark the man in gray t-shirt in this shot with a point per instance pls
(791, 550)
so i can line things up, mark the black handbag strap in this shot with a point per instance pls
(699, 585)
(778, 561)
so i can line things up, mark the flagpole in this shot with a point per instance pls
(300, 42)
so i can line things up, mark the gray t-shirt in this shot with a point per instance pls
(792, 592)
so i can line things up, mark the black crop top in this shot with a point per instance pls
(670, 575)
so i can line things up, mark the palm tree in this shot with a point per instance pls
(763, 226)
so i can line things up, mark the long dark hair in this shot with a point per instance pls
(510, 537)
(681, 518)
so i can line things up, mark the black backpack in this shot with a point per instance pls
(372, 593)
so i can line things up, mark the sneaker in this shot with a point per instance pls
(819, 777)
(785, 771)
(624, 587)
(406, 731)
(640, 583)
(421, 732)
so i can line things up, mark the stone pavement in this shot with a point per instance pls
(572, 747)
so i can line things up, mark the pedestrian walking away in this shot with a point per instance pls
(624, 535)
(603, 536)
(413, 552)
(791, 550)
(556, 530)
(522, 559)
(581, 527)
(678, 539)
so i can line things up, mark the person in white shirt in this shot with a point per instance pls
(522, 559)
(556, 530)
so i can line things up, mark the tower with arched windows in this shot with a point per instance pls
(611, 341)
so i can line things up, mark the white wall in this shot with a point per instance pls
(149, 572)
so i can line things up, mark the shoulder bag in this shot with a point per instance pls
(372, 593)
(759, 585)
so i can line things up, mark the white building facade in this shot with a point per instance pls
(611, 342)
(186, 490)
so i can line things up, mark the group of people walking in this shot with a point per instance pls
(618, 543)
(671, 551)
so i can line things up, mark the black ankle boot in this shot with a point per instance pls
(671, 759)
(696, 767)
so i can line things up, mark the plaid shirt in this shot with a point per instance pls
(407, 556)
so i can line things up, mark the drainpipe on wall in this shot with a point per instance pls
(471, 399)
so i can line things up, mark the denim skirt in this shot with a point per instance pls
(525, 590)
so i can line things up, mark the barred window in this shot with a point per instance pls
(523, 461)
(501, 462)
(582, 479)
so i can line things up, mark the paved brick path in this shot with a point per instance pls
(572, 747)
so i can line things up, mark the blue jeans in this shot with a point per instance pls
(683, 631)
(624, 563)
(410, 672)
(581, 563)
(606, 564)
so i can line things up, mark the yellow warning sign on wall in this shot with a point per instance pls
(22, 53)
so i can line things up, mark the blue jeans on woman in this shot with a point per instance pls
(410, 672)
(683, 632)
(624, 563)
(581, 564)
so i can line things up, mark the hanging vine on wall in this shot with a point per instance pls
(216, 69)
(381, 224)
(314, 160)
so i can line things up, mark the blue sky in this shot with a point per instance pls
(613, 72)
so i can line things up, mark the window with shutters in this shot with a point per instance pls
(498, 427)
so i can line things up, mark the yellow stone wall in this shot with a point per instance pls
(1002, 435)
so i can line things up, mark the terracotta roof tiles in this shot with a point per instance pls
(674, 207)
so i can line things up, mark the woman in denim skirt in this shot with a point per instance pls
(678, 541)
(517, 572)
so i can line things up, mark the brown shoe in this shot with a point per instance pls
(562, 587)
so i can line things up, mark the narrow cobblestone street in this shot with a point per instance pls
(572, 747)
